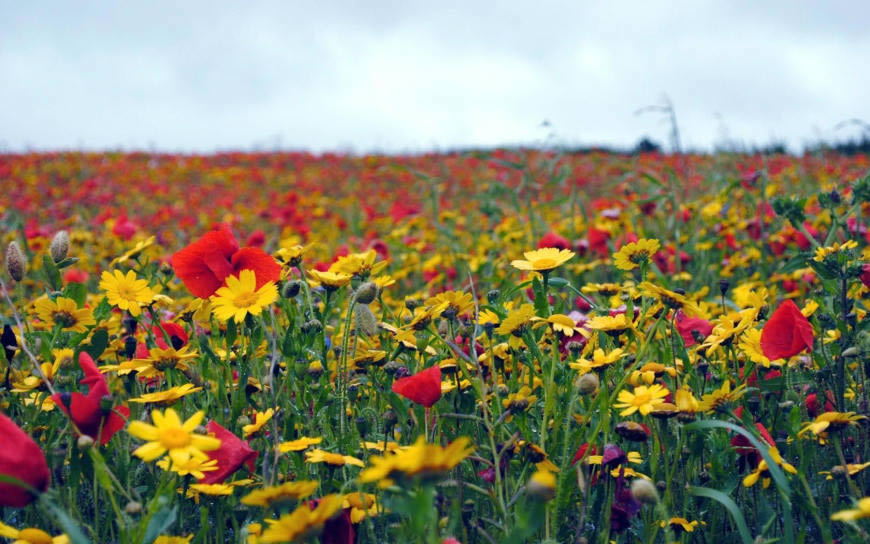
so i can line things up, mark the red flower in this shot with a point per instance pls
(205, 264)
(786, 333)
(423, 387)
(686, 326)
(233, 453)
(92, 415)
(20, 458)
(177, 335)
(551, 239)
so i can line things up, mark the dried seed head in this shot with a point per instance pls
(59, 246)
(291, 288)
(16, 262)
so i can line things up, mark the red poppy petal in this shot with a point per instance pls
(265, 267)
(114, 423)
(20, 458)
(204, 264)
(786, 333)
(92, 373)
(423, 387)
(232, 454)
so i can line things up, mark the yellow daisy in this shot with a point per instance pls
(544, 259)
(65, 313)
(643, 399)
(170, 435)
(631, 255)
(241, 297)
(125, 291)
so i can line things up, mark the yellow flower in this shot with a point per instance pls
(361, 265)
(681, 524)
(830, 421)
(840, 470)
(173, 539)
(547, 258)
(457, 303)
(643, 399)
(195, 466)
(719, 397)
(169, 434)
(634, 253)
(241, 297)
(260, 419)
(519, 401)
(168, 397)
(562, 324)
(823, 252)
(161, 359)
(863, 511)
(516, 321)
(125, 291)
(299, 444)
(361, 505)
(31, 535)
(542, 485)
(334, 459)
(268, 496)
(65, 313)
(330, 280)
(750, 344)
(608, 323)
(761, 471)
(134, 252)
(417, 460)
(291, 254)
(599, 360)
(302, 521)
(212, 490)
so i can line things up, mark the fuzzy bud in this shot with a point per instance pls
(16, 262)
(588, 383)
(366, 293)
(366, 322)
(644, 491)
(313, 326)
(59, 246)
(133, 507)
(84, 442)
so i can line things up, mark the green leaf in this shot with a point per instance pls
(70, 527)
(76, 291)
(729, 505)
(159, 523)
(52, 274)
(98, 344)
(69, 261)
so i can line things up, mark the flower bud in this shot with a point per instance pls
(133, 507)
(366, 322)
(588, 383)
(313, 326)
(644, 491)
(85, 442)
(59, 246)
(291, 288)
(16, 262)
(366, 293)
(542, 485)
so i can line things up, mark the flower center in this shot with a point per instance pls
(544, 263)
(34, 536)
(642, 398)
(639, 257)
(64, 319)
(172, 439)
(245, 300)
(125, 292)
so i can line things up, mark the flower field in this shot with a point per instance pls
(487, 347)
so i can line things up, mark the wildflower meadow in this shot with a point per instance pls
(502, 346)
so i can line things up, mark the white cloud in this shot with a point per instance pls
(199, 76)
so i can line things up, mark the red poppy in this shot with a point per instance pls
(232, 454)
(20, 458)
(177, 335)
(93, 413)
(688, 326)
(423, 387)
(205, 264)
(551, 239)
(786, 333)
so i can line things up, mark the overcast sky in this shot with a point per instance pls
(413, 76)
